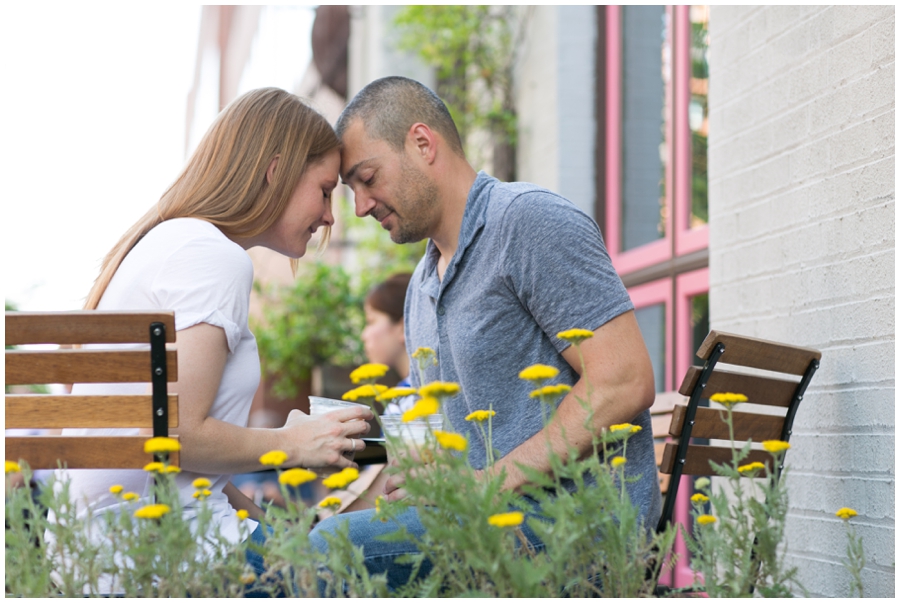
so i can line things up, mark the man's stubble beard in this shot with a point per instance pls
(419, 201)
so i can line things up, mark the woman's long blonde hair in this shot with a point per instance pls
(225, 182)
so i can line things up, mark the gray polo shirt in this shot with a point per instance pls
(529, 264)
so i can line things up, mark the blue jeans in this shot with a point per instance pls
(255, 560)
(380, 556)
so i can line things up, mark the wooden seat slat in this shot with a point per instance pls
(88, 326)
(770, 391)
(709, 423)
(758, 353)
(698, 457)
(37, 411)
(93, 452)
(25, 367)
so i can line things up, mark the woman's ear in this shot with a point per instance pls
(270, 171)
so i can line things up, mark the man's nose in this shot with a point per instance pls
(364, 203)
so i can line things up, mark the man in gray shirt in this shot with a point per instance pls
(507, 267)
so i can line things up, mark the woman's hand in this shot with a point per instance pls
(323, 440)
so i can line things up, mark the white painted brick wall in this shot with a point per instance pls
(801, 164)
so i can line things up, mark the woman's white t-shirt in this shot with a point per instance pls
(189, 266)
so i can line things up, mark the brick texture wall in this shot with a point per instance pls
(801, 164)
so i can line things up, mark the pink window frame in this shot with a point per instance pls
(651, 294)
(657, 251)
(687, 239)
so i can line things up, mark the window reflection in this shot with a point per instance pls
(698, 114)
(652, 322)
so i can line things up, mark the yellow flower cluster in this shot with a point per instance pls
(158, 445)
(451, 441)
(845, 513)
(273, 458)
(728, 399)
(396, 392)
(438, 389)
(342, 479)
(129, 496)
(751, 467)
(295, 477)
(364, 391)
(154, 467)
(618, 461)
(538, 372)
(507, 520)
(373, 370)
(117, 489)
(242, 514)
(706, 520)
(202, 488)
(625, 427)
(201, 482)
(575, 335)
(202, 494)
(422, 408)
(551, 390)
(152, 511)
(12, 467)
(775, 446)
(330, 501)
(698, 498)
(702, 483)
(425, 354)
(480, 415)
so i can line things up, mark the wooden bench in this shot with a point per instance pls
(67, 363)
(773, 376)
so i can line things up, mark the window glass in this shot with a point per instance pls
(698, 114)
(646, 68)
(652, 322)
(699, 322)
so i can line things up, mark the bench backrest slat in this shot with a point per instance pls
(759, 353)
(108, 452)
(768, 390)
(88, 326)
(26, 367)
(36, 411)
(709, 424)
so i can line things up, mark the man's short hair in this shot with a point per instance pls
(388, 107)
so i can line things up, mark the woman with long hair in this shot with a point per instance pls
(262, 176)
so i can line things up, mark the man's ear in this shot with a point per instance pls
(270, 171)
(424, 141)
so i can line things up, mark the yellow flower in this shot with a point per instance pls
(364, 391)
(202, 494)
(154, 467)
(171, 469)
(396, 392)
(152, 511)
(538, 372)
(424, 354)
(273, 458)
(295, 477)
(117, 489)
(618, 461)
(347, 476)
(845, 513)
(154, 445)
(379, 504)
(373, 370)
(625, 427)
(202, 482)
(706, 520)
(12, 467)
(422, 408)
(751, 467)
(330, 501)
(699, 498)
(775, 446)
(702, 483)
(728, 399)
(248, 578)
(129, 496)
(551, 390)
(575, 335)
(480, 415)
(451, 441)
(507, 520)
(436, 389)
(242, 514)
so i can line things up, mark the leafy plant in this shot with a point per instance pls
(316, 320)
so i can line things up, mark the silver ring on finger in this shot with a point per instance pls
(354, 444)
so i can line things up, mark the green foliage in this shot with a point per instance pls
(856, 560)
(317, 320)
(472, 50)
